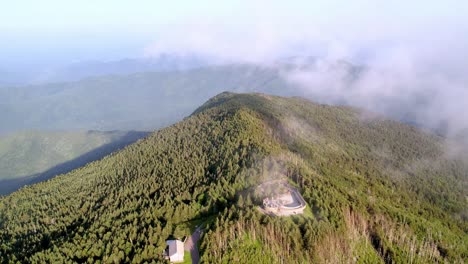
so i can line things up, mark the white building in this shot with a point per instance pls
(175, 251)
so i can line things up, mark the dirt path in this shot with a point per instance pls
(191, 245)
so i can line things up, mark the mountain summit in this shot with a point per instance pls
(376, 191)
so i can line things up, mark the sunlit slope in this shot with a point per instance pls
(376, 190)
(24, 156)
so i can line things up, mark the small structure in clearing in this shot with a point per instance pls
(281, 199)
(174, 251)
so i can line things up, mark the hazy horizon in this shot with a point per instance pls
(55, 33)
(412, 52)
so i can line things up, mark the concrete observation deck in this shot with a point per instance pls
(286, 201)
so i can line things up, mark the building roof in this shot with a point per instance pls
(176, 247)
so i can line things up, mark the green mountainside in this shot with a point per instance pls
(377, 191)
(139, 101)
(28, 156)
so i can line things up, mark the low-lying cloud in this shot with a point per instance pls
(402, 60)
(401, 86)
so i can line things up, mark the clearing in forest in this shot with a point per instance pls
(280, 198)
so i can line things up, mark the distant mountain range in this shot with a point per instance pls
(145, 94)
(81, 70)
(140, 101)
(161, 63)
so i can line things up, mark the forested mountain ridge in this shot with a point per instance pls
(377, 191)
(137, 101)
(28, 157)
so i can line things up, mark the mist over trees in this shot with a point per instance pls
(176, 85)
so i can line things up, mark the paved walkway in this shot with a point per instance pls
(191, 245)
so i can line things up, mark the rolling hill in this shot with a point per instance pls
(139, 101)
(86, 69)
(31, 156)
(377, 191)
(41, 74)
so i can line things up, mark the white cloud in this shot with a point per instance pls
(414, 52)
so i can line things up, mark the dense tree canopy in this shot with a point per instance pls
(377, 191)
